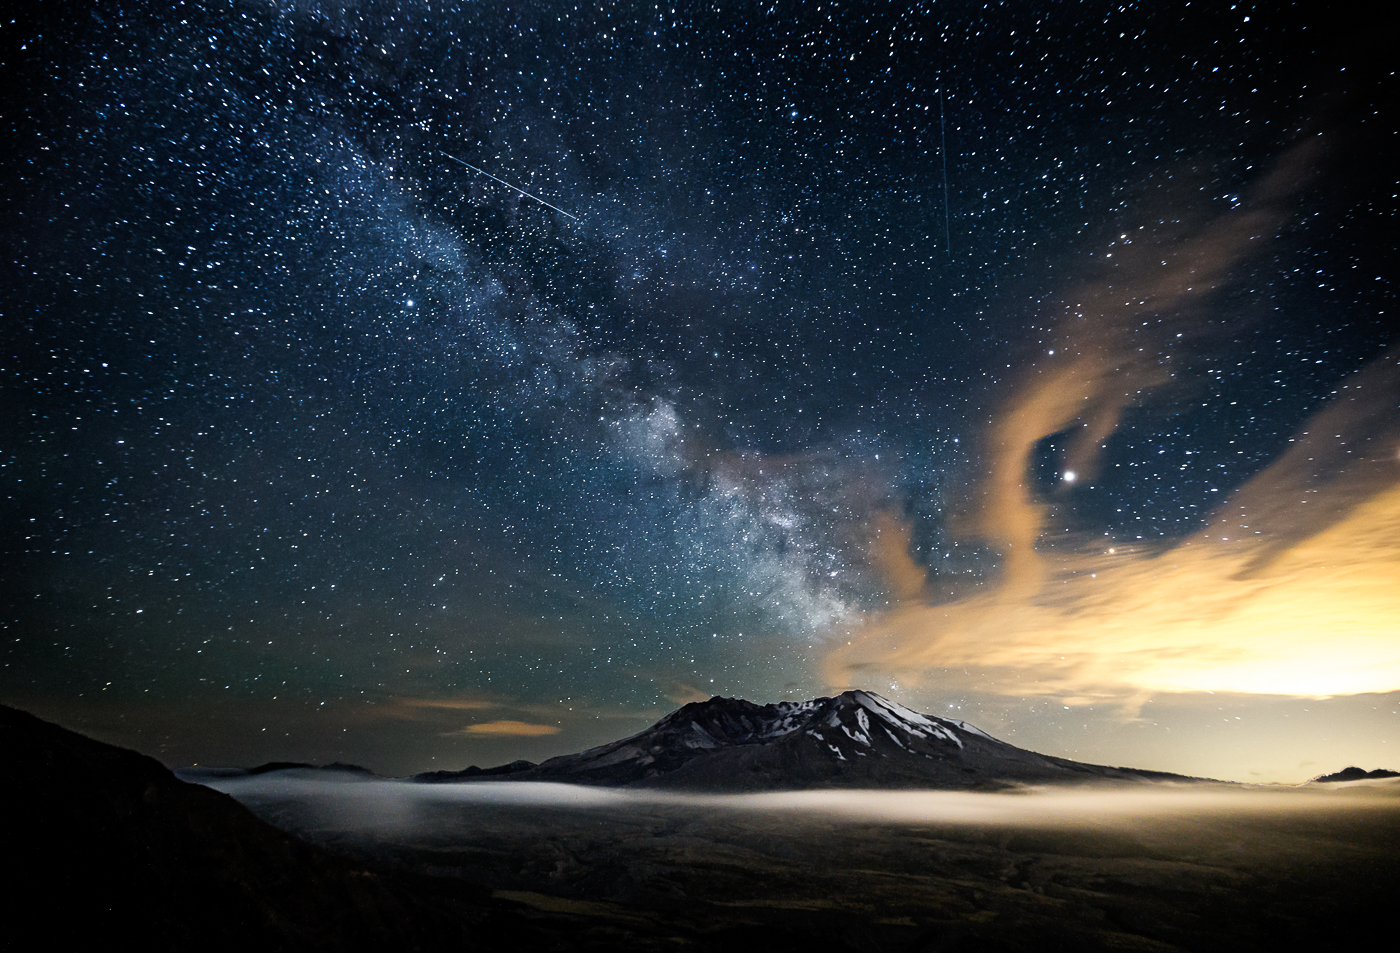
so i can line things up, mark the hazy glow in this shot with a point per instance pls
(1319, 620)
(1057, 807)
(394, 804)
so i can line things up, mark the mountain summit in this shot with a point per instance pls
(857, 739)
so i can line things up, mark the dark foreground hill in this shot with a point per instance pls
(855, 740)
(103, 844)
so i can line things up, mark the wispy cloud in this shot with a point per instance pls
(683, 694)
(454, 704)
(507, 727)
(1289, 589)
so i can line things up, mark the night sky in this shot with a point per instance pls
(1030, 362)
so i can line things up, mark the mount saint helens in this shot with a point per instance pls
(855, 740)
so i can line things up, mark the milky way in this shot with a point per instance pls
(320, 444)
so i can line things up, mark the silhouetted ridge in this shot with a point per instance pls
(200, 775)
(1356, 774)
(281, 766)
(474, 772)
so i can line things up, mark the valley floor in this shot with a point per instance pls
(656, 875)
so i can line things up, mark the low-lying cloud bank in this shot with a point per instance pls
(385, 805)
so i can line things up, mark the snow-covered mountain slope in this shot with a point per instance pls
(857, 739)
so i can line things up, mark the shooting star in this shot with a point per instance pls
(509, 186)
(943, 148)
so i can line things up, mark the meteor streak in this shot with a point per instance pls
(509, 186)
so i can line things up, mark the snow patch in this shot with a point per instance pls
(971, 730)
(906, 719)
(941, 732)
(700, 738)
(857, 736)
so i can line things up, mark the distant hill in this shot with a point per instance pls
(1356, 774)
(855, 740)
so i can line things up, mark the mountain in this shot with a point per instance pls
(856, 740)
(515, 767)
(339, 768)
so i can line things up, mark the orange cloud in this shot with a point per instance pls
(508, 727)
(1109, 348)
(1292, 588)
(683, 694)
(889, 553)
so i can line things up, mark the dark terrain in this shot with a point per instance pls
(653, 873)
(102, 843)
(110, 844)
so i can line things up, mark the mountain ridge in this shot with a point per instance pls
(1354, 773)
(855, 739)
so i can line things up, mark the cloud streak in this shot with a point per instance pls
(509, 727)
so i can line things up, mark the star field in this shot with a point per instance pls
(304, 414)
